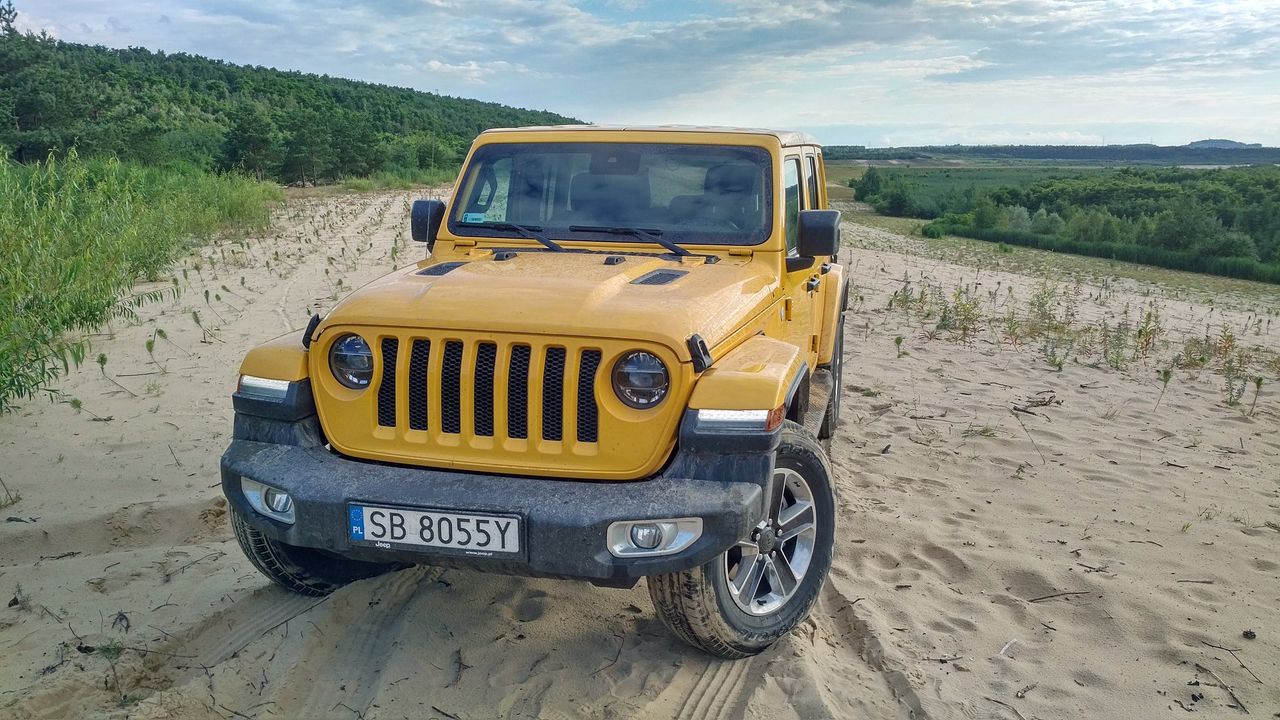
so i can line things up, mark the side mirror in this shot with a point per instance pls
(424, 221)
(819, 234)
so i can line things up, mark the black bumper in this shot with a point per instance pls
(563, 522)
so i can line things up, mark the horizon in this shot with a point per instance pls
(1018, 72)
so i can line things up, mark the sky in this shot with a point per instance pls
(863, 72)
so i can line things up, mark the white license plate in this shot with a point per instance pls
(471, 533)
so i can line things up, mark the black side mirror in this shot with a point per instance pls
(819, 233)
(424, 221)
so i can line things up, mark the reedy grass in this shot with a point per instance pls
(79, 233)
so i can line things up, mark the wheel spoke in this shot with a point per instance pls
(781, 577)
(777, 484)
(746, 591)
(795, 520)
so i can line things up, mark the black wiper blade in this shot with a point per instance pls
(653, 236)
(532, 232)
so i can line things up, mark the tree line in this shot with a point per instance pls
(156, 107)
(1224, 221)
(1193, 154)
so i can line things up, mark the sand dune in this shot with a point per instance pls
(1080, 558)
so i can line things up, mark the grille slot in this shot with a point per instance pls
(486, 359)
(451, 388)
(387, 391)
(518, 393)
(587, 412)
(419, 356)
(553, 395)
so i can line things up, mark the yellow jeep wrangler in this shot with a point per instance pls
(615, 362)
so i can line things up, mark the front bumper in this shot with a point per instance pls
(563, 522)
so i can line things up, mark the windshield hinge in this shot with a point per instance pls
(741, 251)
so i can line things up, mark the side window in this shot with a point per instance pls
(811, 177)
(791, 198)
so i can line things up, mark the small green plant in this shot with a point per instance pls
(1185, 526)
(102, 367)
(1257, 390)
(150, 345)
(1149, 331)
(897, 343)
(9, 498)
(868, 392)
(985, 431)
(1011, 327)
(967, 311)
(1226, 342)
(1234, 381)
(1166, 374)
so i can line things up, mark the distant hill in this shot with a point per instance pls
(155, 107)
(1215, 144)
(1203, 152)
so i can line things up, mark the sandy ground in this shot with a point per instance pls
(1079, 558)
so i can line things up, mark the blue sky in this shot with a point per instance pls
(873, 72)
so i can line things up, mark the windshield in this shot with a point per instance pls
(694, 194)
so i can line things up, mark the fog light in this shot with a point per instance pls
(646, 536)
(278, 500)
(650, 537)
(272, 502)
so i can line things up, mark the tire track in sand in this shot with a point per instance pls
(706, 688)
(343, 662)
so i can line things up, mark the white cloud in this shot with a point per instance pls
(1021, 64)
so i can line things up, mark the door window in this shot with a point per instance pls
(791, 200)
(811, 176)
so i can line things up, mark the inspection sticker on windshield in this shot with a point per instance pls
(472, 217)
(389, 528)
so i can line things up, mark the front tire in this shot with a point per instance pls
(301, 570)
(743, 601)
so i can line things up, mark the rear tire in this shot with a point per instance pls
(301, 570)
(716, 607)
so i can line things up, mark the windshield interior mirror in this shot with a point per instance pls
(424, 221)
(819, 234)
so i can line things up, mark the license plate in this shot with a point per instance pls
(470, 533)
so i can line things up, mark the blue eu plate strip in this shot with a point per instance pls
(357, 522)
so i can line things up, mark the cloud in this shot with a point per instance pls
(813, 62)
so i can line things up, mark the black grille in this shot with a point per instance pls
(418, 359)
(553, 395)
(486, 358)
(587, 416)
(518, 393)
(659, 277)
(387, 391)
(451, 388)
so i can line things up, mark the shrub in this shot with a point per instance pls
(78, 234)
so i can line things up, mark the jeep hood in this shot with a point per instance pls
(644, 297)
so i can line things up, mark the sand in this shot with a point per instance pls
(1079, 559)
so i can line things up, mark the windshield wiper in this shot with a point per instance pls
(532, 232)
(653, 236)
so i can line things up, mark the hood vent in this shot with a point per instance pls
(659, 277)
(441, 269)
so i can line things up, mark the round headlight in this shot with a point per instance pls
(351, 361)
(640, 379)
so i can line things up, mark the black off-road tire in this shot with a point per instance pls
(831, 419)
(301, 570)
(696, 605)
